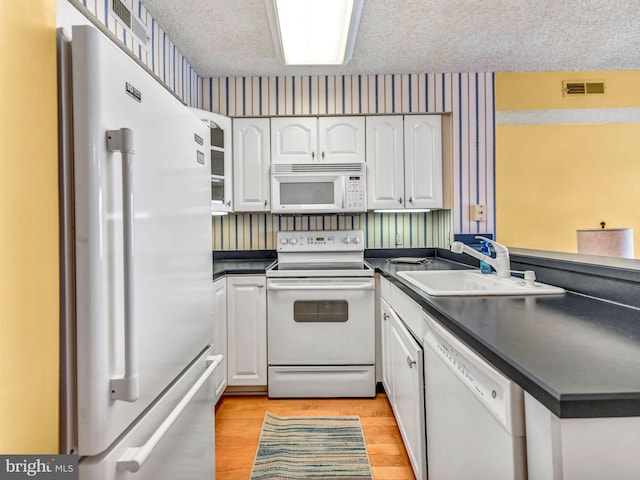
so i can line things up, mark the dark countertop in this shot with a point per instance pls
(577, 355)
(240, 266)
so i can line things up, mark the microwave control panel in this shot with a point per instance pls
(355, 193)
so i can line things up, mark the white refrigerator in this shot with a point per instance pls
(138, 394)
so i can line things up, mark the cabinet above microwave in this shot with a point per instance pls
(299, 140)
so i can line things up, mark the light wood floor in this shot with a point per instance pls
(239, 421)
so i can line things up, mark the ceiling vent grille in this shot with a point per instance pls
(594, 87)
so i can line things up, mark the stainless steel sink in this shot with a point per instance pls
(473, 283)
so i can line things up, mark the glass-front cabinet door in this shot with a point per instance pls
(221, 160)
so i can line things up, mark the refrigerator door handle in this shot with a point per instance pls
(126, 387)
(134, 458)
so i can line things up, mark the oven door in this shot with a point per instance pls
(320, 321)
(307, 193)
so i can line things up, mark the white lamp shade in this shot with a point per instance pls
(609, 242)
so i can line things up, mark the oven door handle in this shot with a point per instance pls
(322, 286)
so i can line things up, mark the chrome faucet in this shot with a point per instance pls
(501, 264)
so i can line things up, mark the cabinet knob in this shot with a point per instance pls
(313, 155)
(385, 316)
(228, 203)
(323, 155)
(265, 203)
(262, 286)
(410, 200)
(400, 200)
(410, 362)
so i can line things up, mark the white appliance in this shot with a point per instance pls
(318, 188)
(320, 317)
(137, 328)
(474, 414)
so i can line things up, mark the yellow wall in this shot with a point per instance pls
(553, 179)
(29, 285)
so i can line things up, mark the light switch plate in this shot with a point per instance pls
(478, 212)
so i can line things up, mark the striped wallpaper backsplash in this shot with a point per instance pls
(467, 97)
(257, 231)
(160, 55)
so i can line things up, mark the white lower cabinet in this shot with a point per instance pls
(385, 334)
(220, 333)
(404, 383)
(580, 448)
(247, 330)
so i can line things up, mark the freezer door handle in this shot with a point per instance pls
(126, 387)
(135, 457)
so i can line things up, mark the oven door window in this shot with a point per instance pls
(320, 311)
(307, 193)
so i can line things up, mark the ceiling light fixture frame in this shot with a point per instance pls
(272, 14)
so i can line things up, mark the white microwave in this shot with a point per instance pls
(318, 188)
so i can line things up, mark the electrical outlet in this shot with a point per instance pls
(478, 213)
(398, 240)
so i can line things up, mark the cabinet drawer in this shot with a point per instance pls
(408, 310)
(385, 289)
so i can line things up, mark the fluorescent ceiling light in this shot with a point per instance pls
(218, 214)
(314, 32)
(404, 210)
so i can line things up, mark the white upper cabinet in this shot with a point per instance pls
(219, 144)
(251, 163)
(341, 139)
(423, 161)
(317, 139)
(294, 139)
(385, 162)
(404, 162)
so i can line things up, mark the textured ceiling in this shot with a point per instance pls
(233, 37)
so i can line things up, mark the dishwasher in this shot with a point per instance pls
(474, 414)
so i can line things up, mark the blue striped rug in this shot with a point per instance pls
(311, 447)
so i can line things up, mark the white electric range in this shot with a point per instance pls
(321, 320)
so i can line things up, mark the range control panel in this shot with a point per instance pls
(321, 241)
